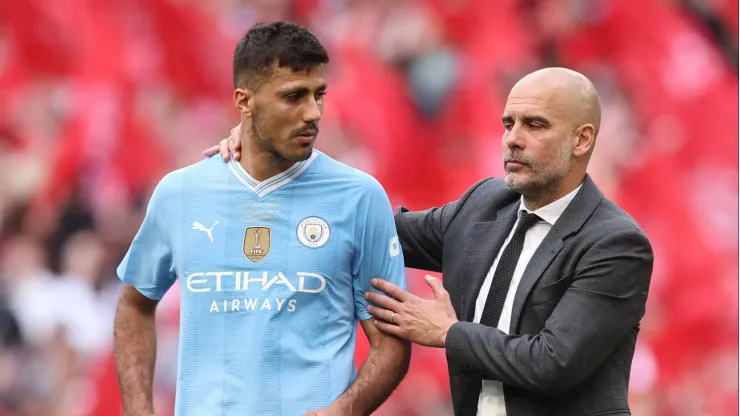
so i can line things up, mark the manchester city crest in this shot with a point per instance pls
(313, 232)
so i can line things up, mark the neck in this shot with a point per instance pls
(549, 194)
(535, 202)
(261, 164)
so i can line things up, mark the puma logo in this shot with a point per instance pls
(198, 226)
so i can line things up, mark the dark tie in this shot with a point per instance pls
(505, 271)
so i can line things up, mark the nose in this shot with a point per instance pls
(312, 111)
(513, 139)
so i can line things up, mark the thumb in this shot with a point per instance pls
(436, 285)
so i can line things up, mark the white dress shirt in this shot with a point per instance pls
(491, 400)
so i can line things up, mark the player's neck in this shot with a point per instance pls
(263, 165)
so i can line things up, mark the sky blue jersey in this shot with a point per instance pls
(272, 277)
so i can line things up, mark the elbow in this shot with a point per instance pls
(554, 372)
(555, 385)
(558, 378)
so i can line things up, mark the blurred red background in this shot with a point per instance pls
(99, 99)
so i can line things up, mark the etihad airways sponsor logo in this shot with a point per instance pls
(254, 283)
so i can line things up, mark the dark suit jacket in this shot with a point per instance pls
(576, 312)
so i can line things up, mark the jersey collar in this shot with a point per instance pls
(274, 183)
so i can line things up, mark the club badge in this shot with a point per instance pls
(313, 232)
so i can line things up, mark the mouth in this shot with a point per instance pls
(514, 164)
(306, 137)
(307, 134)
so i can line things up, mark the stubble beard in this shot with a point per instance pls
(267, 145)
(542, 179)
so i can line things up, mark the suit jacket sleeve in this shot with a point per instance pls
(421, 233)
(605, 300)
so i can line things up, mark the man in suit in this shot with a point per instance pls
(545, 280)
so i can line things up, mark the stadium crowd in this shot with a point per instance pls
(98, 100)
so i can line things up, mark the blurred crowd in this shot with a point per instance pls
(99, 99)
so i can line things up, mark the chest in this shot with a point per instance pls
(532, 271)
(277, 245)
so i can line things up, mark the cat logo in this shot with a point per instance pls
(256, 243)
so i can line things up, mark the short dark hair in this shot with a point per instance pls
(286, 43)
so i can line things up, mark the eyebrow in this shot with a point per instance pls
(527, 119)
(302, 90)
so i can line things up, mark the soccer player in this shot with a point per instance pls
(273, 255)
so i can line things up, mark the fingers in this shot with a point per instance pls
(223, 147)
(210, 151)
(437, 287)
(234, 147)
(383, 301)
(384, 314)
(234, 138)
(390, 289)
(228, 148)
(389, 328)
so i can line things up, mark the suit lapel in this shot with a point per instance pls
(483, 245)
(572, 219)
(543, 256)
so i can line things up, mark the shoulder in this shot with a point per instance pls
(356, 180)
(610, 218)
(168, 187)
(489, 193)
(491, 187)
(202, 172)
(210, 166)
(610, 225)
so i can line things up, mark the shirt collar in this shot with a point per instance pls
(552, 211)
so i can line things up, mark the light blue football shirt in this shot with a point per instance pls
(272, 277)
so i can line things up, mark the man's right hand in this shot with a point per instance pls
(227, 147)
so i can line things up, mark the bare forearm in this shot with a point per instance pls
(135, 353)
(383, 370)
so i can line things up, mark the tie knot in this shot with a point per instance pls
(526, 221)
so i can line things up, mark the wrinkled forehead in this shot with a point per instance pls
(538, 98)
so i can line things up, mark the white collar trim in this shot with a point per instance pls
(269, 185)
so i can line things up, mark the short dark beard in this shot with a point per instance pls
(265, 144)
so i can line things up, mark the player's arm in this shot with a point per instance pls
(147, 272)
(377, 254)
(135, 350)
(382, 371)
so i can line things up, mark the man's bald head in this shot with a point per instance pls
(571, 89)
(552, 117)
